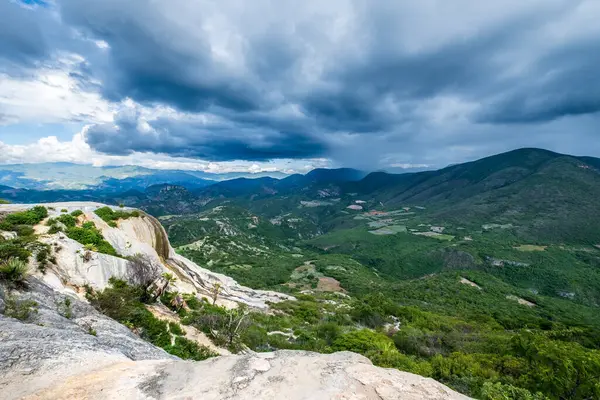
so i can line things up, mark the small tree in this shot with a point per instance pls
(225, 326)
(142, 271)
(215, 290)
(235, 324)
(169, 277)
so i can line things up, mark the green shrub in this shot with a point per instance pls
(225, 327)
(32, 216)
(64, 210)
(192, 302)
(329, 332)
(67, 220)
(256, 338)
(43, 257)
(188, 350)
(20, 309)
(412, 340)
(64, 308)
(395, 359)
(4, 201)
(109, 215)
(363, 341)
(498, 391)
(305, 310)
(118, 301)
(23, 230)
(14, 248)
(88, 234)
(122, 302)
(14, 270)
(176, 329)
(77, 213)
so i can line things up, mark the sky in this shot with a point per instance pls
(291, 85)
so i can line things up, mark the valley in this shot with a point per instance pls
(484, 276)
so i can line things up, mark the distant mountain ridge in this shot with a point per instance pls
(69, 176)
(559, 192)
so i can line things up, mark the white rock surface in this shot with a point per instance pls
(50, 345)
(289, 375)
(8, 235)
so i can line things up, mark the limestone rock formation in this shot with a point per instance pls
(61, 337)
(144, 235)
(290, 375)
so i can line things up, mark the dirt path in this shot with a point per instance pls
(470, 283)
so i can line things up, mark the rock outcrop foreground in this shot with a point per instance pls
(290, 375)
(55, 342)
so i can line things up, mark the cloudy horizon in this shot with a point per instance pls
(267, 86)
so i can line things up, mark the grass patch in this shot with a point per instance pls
(389, 230)
(20, 309)
(88, 234)
(109, 216)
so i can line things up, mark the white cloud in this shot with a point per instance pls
(51, 94)
(51, 149)
(409, 166)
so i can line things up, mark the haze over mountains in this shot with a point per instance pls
(69, 176)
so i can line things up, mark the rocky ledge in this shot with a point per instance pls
(290, 375)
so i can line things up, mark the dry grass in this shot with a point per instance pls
(530, 247)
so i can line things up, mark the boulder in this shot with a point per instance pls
(290, 375)
(62, 337)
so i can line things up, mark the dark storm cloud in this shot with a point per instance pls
(155, 60)
(563, 83)
(193, 138)
(22, 41)
(304, 78)
(33, 36)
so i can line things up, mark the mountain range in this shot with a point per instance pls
(69, 176)
(559, 191)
